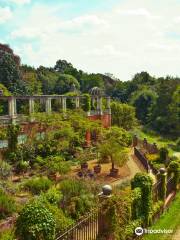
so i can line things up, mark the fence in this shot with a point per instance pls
(170, 186)
(142, 159)
(87, 229)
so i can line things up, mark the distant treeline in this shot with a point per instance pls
(157, 100)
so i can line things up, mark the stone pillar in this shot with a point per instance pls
(64, 104)
(155, 148)
(77, 102)
(162, 176)
(31, 105)
(99, 105)
(145, 143)
(48, 105)
(135, 141)
(11, 106)
(103, 219)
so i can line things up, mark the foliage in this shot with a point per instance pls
(7, 235)
(56, 164)
(86, 103)
(123, 115)
(169, 220)
(78, 198)
(116, 215)
(12, 134)
(163, 153)
(5, 170)
(157, 206)
(53, 196)
(64, 83)
(37, 184)
(7, 205)
(35, 222)
(144, 182)
(144, 101)
(174, 168)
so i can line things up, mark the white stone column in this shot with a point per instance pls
(77, 102)
(109, 104)
(99, 105)
(48, 105)
(11, 107)
(31, 105)
(64, 104)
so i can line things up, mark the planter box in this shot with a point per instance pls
(97, 169)
(114, 172)
(84, 166)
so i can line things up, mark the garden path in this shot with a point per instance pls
(134, 166)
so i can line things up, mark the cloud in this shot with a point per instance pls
(5, 14)
(130, 37)
(20, 2)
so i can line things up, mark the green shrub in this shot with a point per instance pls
(56, 164)
(37, 185)
(5, 170)
(7, 235)
(35, 222)
(53, 196)
(7, 205)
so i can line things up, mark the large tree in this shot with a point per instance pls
(144, 101)
(10, 74)
(123, 115)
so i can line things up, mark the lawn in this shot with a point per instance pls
(169, 220)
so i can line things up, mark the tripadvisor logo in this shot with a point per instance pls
(139, 231)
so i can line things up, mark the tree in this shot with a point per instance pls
(114, 146)
(89, 81)
(144, 101)
(10, 75)
(123, 115)
(64, 84)
(174, 110)
(116, 153)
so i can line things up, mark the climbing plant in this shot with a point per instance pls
(12, 135)
(144, 182)
(86, 102)
(174, 168)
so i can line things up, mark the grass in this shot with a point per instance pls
(169, 220)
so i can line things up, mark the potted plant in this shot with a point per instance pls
(97, 168)
(116, 153)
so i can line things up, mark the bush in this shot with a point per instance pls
(38, 184)
(35, 222)
(7, 205)
(57, 165)
(78, 198)
(5, 170)
(7, 235)
(53, 196)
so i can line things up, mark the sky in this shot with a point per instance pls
(121, 37)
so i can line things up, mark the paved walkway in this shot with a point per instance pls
(134, 166)
(176, 236)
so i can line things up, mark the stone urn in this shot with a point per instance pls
(97, 168)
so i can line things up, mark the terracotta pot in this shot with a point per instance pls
(84, 165)
(97, 169)
(114, 172)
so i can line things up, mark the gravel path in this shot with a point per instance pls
(134, 166)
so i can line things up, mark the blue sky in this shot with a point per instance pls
(117, 36)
